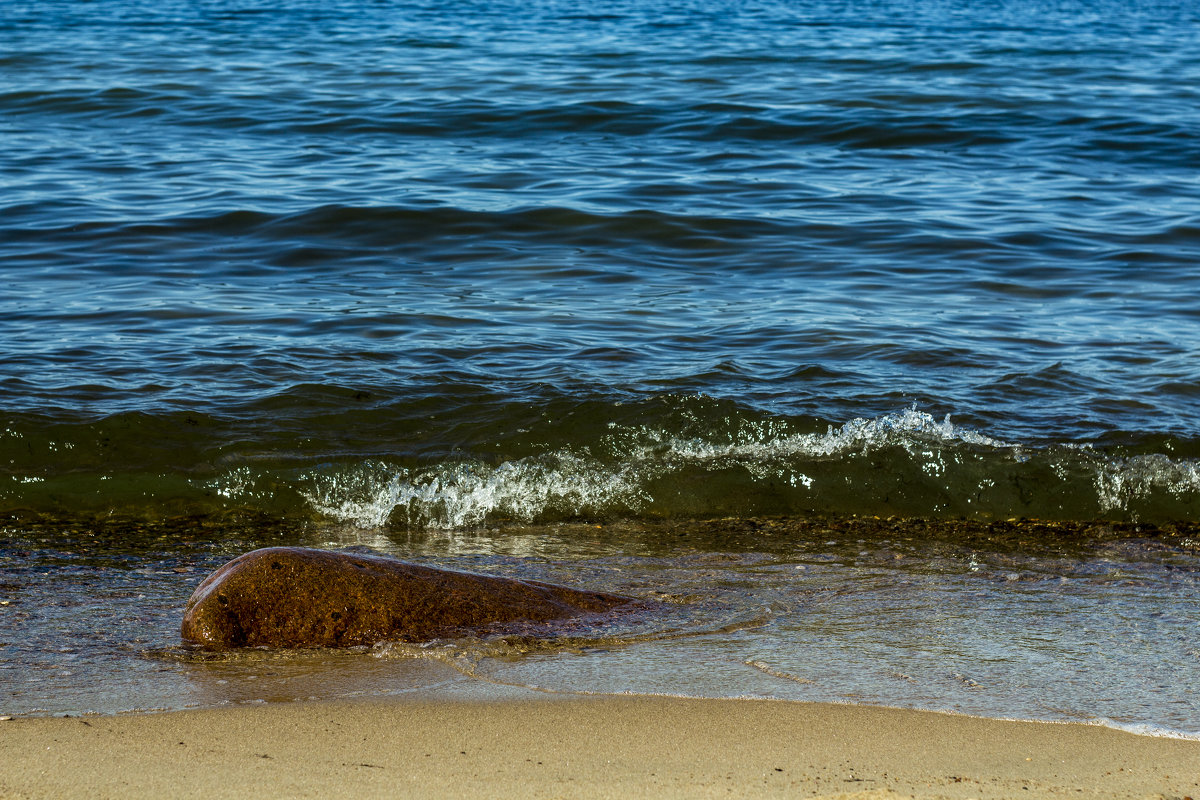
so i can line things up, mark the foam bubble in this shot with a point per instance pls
(910, 429)
(459, 495)
(1142, 729)
(1119, 481)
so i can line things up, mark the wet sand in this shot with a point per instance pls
(567, 746)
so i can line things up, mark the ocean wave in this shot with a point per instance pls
(908, 462)
(674, 457)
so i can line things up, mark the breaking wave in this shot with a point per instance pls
(905, 463)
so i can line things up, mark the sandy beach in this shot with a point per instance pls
(584, 747)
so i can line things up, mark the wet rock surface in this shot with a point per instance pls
(301, 597)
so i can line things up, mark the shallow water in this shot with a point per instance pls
(462, 280)
(1093, 624)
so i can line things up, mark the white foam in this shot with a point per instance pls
(460, 495)
(1118, 481)
(464, 494)
(1142, 729)
(910, 429)
(569, 482)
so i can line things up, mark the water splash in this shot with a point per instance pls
(909, 429)
(907, 463)
(567, 483)
(459, 495)
(1121, 481)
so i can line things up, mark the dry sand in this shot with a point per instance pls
(582, 747)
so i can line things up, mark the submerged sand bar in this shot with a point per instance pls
(585, 747)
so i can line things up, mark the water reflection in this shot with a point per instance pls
(997, 620)
(261, 677)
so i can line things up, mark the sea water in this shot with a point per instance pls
(864, 335)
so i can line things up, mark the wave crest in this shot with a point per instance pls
(460, 495)
(639, 461)
(907, 464)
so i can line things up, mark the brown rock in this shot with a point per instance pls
(298, 597)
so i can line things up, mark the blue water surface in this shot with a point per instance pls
(302, 232)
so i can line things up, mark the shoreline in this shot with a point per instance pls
(538, 745)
